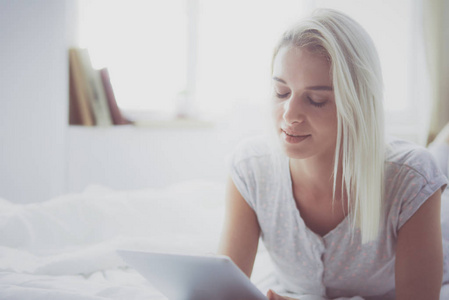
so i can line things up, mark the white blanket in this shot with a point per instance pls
(65, 248)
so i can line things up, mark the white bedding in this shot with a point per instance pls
(65, 248)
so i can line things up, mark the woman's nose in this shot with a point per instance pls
(293, 111)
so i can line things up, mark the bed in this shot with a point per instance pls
(64, 248)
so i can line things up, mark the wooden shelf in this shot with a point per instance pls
(161, 124)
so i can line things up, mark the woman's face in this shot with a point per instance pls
(304, 105)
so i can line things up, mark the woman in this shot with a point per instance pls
(342, 212)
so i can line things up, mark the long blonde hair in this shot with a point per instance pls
(358, 89)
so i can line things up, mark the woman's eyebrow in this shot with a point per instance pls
(314, 88)
(320, 88)
(279, 79)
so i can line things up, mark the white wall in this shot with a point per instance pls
(130, 158)
(33, 99)
(127, 157)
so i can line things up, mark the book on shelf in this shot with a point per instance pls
(92, 98)
(95, 90)
(116, 115)
(80, 110)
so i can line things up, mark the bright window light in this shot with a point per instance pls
(219, 52)
(236, 41)
(143, 44)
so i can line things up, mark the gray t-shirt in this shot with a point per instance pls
(333, 266)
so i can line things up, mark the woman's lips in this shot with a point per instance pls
(291, 133)
(293, 138)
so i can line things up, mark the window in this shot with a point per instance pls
(217, 54)
(236, 40)
(143, 44)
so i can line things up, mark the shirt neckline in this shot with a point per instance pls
(292, 203)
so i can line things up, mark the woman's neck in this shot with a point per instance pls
(313, 177)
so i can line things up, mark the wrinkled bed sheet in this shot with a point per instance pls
(64, 248)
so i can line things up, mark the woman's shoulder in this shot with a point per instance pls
(254, 166)
(411, 177)
(405, 155)
(254, 148)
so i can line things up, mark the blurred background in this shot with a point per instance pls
(207, 60)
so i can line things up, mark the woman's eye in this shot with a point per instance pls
(282, 96)
(316, 104)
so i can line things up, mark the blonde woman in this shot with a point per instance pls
(342, 211)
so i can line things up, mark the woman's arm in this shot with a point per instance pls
(419, 253)
(241, 231)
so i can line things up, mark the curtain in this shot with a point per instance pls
(436, 36)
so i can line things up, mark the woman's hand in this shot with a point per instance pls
(273, 296)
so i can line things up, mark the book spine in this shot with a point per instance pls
(95, 90)
(80, 108)
(116, 115)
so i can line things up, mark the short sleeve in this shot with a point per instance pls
(242, 177)
(248, 167)
(420, 178)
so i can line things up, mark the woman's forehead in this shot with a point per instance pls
(295, 65)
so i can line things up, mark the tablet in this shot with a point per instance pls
(193, 277)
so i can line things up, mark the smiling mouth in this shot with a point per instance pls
(294, 135)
